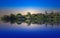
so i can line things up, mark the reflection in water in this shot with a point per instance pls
(47, 19)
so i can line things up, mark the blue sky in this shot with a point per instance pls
(30, 3)
(24, 6)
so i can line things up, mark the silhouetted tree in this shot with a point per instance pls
(12, 18)
(5, 18)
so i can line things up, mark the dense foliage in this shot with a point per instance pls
(39, 18)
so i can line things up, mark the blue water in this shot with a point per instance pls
(19, 31)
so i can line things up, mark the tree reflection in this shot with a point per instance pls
(47, 18)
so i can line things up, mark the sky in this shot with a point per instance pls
(16, 6)
(30, 3)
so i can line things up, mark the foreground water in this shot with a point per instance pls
(24, 30)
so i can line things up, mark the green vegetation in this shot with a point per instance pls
(47, 18)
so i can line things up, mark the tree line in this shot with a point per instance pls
(39, 18)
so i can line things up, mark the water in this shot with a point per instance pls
(24, 30)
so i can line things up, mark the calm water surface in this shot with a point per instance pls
(33, 30)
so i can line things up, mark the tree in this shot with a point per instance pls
(28, 16)
(5, 18)
(12, 18)
(18, 16)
